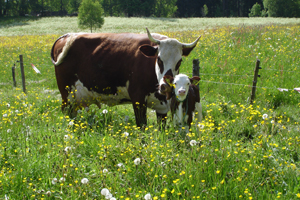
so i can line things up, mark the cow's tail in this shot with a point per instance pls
(68, 44)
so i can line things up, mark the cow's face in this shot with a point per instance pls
(168, 55)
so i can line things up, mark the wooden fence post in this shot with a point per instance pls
(196, 69)
(22, 73)
(13, 69)
(255, 80)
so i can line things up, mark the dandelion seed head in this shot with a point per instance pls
(105, 191)
(105, 111)
(137, 161)
(125, 134)
(54, 181)
(84, 181)
(148, 196)
(193, 142)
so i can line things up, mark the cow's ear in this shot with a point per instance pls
(195, 80)
(168, 79)
(148, 50)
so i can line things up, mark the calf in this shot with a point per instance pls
(185, 98)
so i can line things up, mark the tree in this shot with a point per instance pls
(282, 8)
(73, 6)
(204, 10)
(255, 11)
(90, 15)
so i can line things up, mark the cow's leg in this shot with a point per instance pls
(140, 112)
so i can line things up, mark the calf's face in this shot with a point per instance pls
(180, 83)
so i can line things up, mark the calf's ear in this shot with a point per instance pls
(195, 79)
(148, 51)
(168, 79)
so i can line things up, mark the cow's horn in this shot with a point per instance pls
(191, 44)
(151, 38)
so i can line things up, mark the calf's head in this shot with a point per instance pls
(168, 54)
(180, 83)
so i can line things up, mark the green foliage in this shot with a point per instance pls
(282, 8)
(73, 6)
(255, 11)
(90, 15)
(239, 151)
(205, 10)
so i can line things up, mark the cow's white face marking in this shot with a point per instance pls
(155, 104)
(80, 95)
(182, 83)
(170, 54)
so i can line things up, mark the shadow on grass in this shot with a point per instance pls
(16, 21)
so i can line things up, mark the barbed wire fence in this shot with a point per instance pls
(196, 72)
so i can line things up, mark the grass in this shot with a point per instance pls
(240, 151)
(62, 25)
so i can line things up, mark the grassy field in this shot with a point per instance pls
(239, 151)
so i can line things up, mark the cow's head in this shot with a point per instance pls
(179, 85)
(168, 54)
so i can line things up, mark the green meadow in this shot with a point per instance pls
(239, 151)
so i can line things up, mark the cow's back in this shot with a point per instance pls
(106, 67)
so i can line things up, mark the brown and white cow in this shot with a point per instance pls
(109, 68)
(185, 98)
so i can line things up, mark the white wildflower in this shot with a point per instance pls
(148, 196)
(62, 179)
(201, 126)
(8, 105)
(265, 116)
(104, 171)
(71, 123)
(120, 165)
(48, 193)
(84, 181)
(137, 161)
(125, 134)
(105, 191)
(66, 137)
(5, 115)
(67, 149)
(108, 196)
(54, 181)
(193, 142)
(113, 198)
(8, 130)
